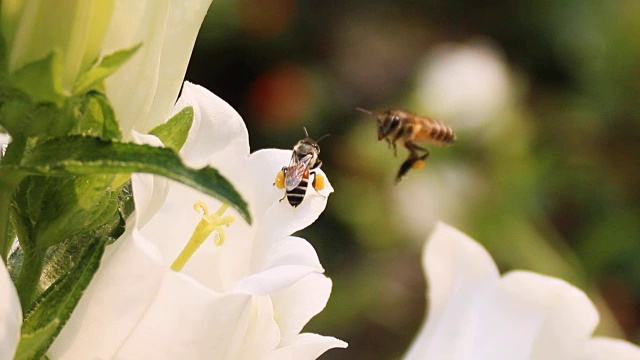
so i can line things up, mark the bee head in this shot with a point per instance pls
(387, 121)
(307, 146)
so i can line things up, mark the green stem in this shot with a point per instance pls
(8, 183)
(5, 205)
(27, 284)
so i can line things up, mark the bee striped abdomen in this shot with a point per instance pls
(437, 133)
(295, 196)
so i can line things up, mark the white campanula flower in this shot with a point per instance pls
(74, 29)
(81, 32)
(10, 315)
(474, 313)
(144, 90)
(245, 293)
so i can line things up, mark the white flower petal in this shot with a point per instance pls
(261, 334)
(280, 218)
(5, 139)
(292, 251)
(527, 316)
(268, 281)
(457, 268)
(295, 305)
(150, 191)
(286, 263)
(188, 321)
(602, 348)
(113, 303)
(143, 91)
(306, 347)
(10, 315)
(523, 315)
(564, 315)
(218, 135)
(264, 166)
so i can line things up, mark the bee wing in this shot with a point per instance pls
(293, 161)
(295, 172)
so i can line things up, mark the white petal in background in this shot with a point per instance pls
(10, 315)
(5, 139)
(467, 84)
(476, 314)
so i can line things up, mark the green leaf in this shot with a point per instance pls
(174, 132)
(78, 155)
(60, 259)
(96, 118)
(106, 67)
(4, 69)
(20, 115)
(52, 209)
(41, 79)
(55, 305)
(32, 344)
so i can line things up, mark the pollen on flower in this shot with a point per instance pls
(208, 224)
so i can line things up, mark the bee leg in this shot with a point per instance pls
(279, 181)
(419, 162)
(414, 160)
(392, 145)
(318, 183)
(404, 168)
(414, 148)
(389, 144)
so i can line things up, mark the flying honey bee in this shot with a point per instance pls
(294, 178)
(407, 128)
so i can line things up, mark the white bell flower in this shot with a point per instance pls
(474, 313)
(143, 91)
(245, 293)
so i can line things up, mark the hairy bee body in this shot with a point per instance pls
(296, 194)
(399, 126)
(294, 178)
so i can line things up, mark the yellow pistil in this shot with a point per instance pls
(207, 225)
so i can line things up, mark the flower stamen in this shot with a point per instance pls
(207, 225)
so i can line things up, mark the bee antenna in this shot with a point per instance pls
(305, 131)
(365, 111)
(322, 137)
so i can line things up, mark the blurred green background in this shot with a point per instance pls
(545, 100)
